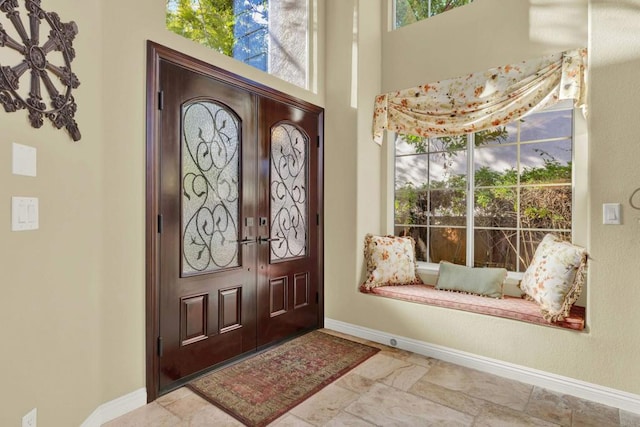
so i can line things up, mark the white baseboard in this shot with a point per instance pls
(596, 393)
(117, 407)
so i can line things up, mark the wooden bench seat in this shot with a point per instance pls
(509, 307)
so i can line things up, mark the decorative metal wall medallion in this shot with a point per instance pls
(49, 63)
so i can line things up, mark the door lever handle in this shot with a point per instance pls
(247, 241)
(268, 239)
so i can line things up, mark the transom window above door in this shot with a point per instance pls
(407, 12)
(270, 35)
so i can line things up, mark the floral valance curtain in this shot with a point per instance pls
(483, 100)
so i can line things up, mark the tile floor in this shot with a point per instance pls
(399, 388)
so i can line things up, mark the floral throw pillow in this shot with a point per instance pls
(555, 277)
(390, 261)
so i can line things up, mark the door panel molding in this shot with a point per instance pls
(230, 303)
(278, 292)
(301, 291)
(193, 318)
(204, 316)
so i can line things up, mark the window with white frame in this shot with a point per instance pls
(487, 199)
(409, 11)
(270, 35)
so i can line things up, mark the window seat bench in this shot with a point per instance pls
(509, 307)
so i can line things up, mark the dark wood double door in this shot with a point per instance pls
(238, 211)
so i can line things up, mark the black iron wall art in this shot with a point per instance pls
(48, 62)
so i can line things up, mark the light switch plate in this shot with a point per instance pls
(24, 160)
(30, 419)
(611, 213)
(24, 213)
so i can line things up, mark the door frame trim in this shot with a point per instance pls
(156, 53)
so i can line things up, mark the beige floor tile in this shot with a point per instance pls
(629, 419)
(498, 416)
(587, 414)
(171, 397)
(448, 375)
(356, 383)
(151, 415)
(395, 353)
(211, 416)
(324, 405)
(509, 393)
(550, 406)
(420, 360)
(391, 371)
(345, 336)
(186, 406)
(344, 419)
(387, 406)
(384, 347)
(404, 378)
(289, 420)
(453, 399)
(581, 419)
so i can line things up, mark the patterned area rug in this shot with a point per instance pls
(260, 389)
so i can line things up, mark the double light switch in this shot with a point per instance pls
(24, 210)
(24, 213)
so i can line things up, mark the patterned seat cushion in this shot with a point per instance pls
(509, 307)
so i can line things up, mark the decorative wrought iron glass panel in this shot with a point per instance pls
(288, 184)
(210, 183)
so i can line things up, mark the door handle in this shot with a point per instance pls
(247, 241)
(268, 239)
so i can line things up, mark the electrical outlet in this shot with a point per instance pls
(30, 419)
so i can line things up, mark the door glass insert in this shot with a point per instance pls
(210, 186)
(288, 188)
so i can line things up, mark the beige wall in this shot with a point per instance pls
(72, 312)
(614, 174)
(52, 278)
(341, 133)
(352, 165)
(489, 33)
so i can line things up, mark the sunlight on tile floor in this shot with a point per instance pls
(399, 388)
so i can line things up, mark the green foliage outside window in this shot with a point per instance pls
(410, 11)
(496, 197)
(209, 22)
(504, 201)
